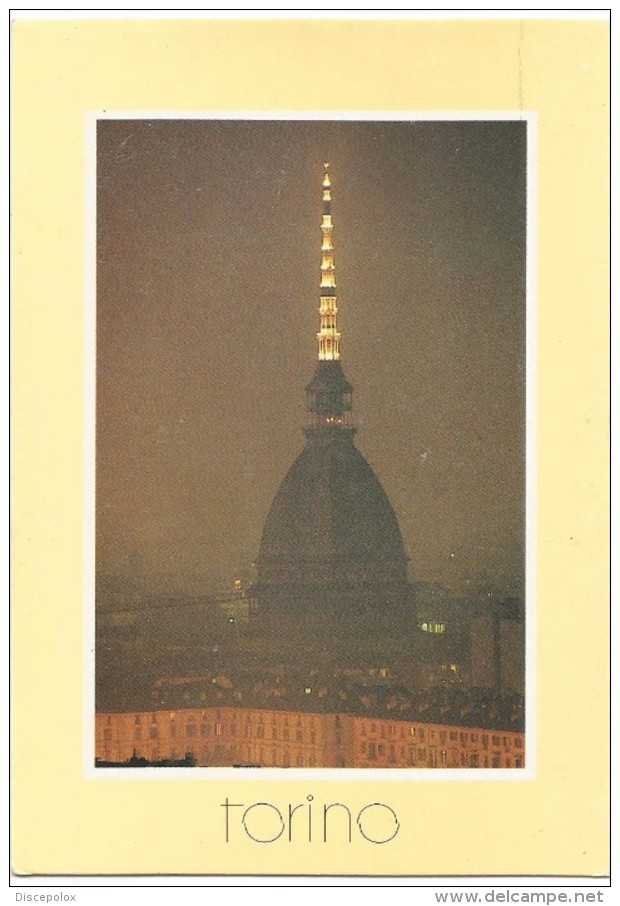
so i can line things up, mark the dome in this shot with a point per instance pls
(331, 520)
(331, 542)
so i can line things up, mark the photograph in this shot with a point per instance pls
(310, 388)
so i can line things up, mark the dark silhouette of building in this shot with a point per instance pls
(332, 563)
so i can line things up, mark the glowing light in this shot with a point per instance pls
(328, 336)
(434, 627)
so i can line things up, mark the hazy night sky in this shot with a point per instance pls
(208, 274)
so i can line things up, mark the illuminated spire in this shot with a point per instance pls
(328, 336)
(329, 394)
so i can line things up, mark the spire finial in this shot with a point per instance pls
(328, 336)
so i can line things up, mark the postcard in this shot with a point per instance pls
(310, 563)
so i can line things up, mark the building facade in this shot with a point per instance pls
(224, 737)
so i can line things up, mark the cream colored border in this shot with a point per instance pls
(65, 823)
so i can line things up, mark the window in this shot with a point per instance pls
(190, 730)
(495, 740)
(518, 742)
(432, 757)
(495, 761)
(204, 729)
(137, 733)
(372, 751)
(434, 627)
(153, 732)
(518, 762)
(107, 734)
(473, 761)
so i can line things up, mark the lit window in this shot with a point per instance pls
(433, 627)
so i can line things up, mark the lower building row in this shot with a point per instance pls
(224, 737)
